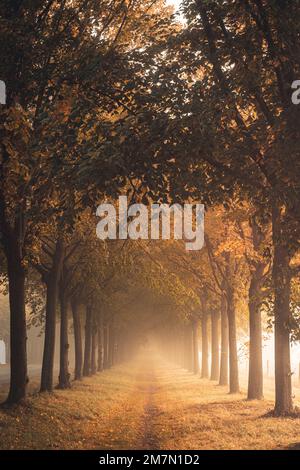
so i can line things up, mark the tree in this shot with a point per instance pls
(72, 50)
(240, 133)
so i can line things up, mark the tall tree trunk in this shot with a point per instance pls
(185, 348)
(111, 346)
(188, 348)
(215, 356)
(100, 346)
(77, 339)
(196, 364)
(94, 346)
(88, 342)
(255, 379)
(204, 335)
(18, 335)
(106, 345)
(12, 240)
(224, 342)
(50, 324)
(64, 376)
(233, 358)
(282, 285)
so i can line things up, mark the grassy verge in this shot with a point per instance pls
(199, 414)
(100, 412)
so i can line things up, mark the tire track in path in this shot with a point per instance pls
(147, 382)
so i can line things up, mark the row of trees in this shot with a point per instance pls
(71, 85)
(113, 292)
(240, 138)
(232, 277)
(113, 96)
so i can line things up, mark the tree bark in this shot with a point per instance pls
(111, 346)
(233, 358)
(87, 342)
(204, 335)
(282, 285)
(188, 348)
(105, 344)
(13, 234)
(215, 356)
(255, 379)
(196, 365)
(52, 281)
(18, 334)
(94, 346)
(100, 346)
(64, 375)
(224, 343)
(77, 339)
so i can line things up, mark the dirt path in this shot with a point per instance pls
(147, 404)
(150, 439)
(149, 387)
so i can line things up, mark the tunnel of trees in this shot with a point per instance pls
(124, 98)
